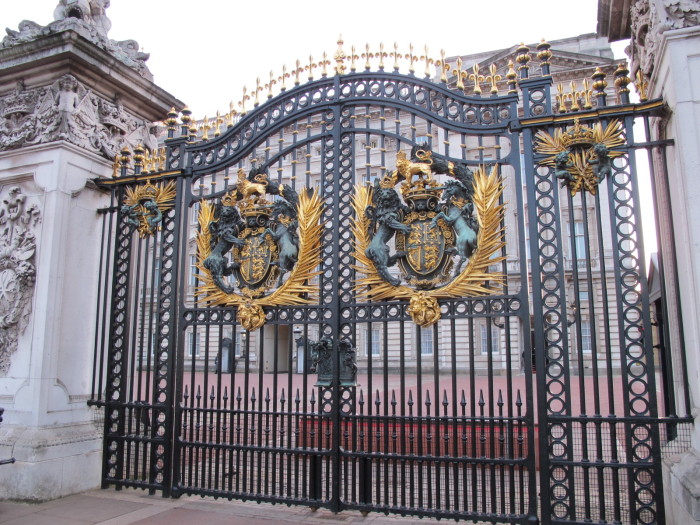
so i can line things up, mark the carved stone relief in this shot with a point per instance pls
(89, 19)
(67, 110)
(18, 221)
(649, 19)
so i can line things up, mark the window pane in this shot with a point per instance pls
(426, 341)
(586, 340)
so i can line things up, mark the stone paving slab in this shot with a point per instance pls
(130, 507)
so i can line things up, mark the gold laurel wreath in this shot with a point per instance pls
(472, 281)
(296, 290)
(611, 136)
(162, 194)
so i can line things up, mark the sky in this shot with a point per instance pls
(205, 51)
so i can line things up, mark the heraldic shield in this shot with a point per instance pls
(446, 234)
(253, 253)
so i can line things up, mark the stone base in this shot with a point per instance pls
(682, 488)
(51, 462)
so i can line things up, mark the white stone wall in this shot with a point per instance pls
(48, 426)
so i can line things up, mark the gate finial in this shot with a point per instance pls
(340, 57)
(523, 58)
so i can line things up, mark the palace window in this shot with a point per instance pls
(493, 344)
(580, 240)
(426, 341)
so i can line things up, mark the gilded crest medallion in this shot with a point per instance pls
(254, 253)
(581, 156)
(445, 234)
(145, 205)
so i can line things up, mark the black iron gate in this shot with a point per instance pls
(257, 342)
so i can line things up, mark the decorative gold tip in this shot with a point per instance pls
(543, 51)
(523, 56)
(382, 55)
(443, 67)
(477, 79)
(428, 62)
(511, 74)
(258, 89)
(622, 79)
(461, 75)
(340, 57)
(310, 68)
(243, 100)
(641, 86)
(367, 55)
(599, 83)
(493, 78)
(396, 56)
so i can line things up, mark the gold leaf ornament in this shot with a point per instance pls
(474, 280)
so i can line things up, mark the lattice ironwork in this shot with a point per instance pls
(337, 400)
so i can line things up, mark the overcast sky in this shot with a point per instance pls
(205, 51)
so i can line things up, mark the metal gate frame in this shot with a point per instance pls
(143, 446)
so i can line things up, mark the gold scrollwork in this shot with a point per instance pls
(473, 280)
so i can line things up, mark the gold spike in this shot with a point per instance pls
(396, 56)
(243, 100)
(574, 97)
(561, 98)
(205, 126)
(461, 75)
(428, 62)
(443, 67)
(382, 55)
(258, 89)
(297, 72)
(586, 94)
(512, 77)
(353, 57)
(311, 67)
(367, 55)
(116, 167)
(217, 124)
(230, 115)
(282, 79)
(411, 59)
(493, 78)
(641, 85)
(477, 79)
(340, 57)
(324, 63)
(269, 86)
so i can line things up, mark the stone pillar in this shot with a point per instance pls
(70, 99)
(665, 50)
(676, 79)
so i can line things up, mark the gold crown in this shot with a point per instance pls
(389, 180)
(421, 189)
(578, 136)
(149, 192)
(229, 199)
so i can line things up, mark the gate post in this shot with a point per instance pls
(58, 89)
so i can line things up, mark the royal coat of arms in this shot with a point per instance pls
(581, 156)
(254, 253)
(145, 205)
(446, 235)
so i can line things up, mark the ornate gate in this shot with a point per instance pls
(376, 292)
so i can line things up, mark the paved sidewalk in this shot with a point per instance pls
(125, 507)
